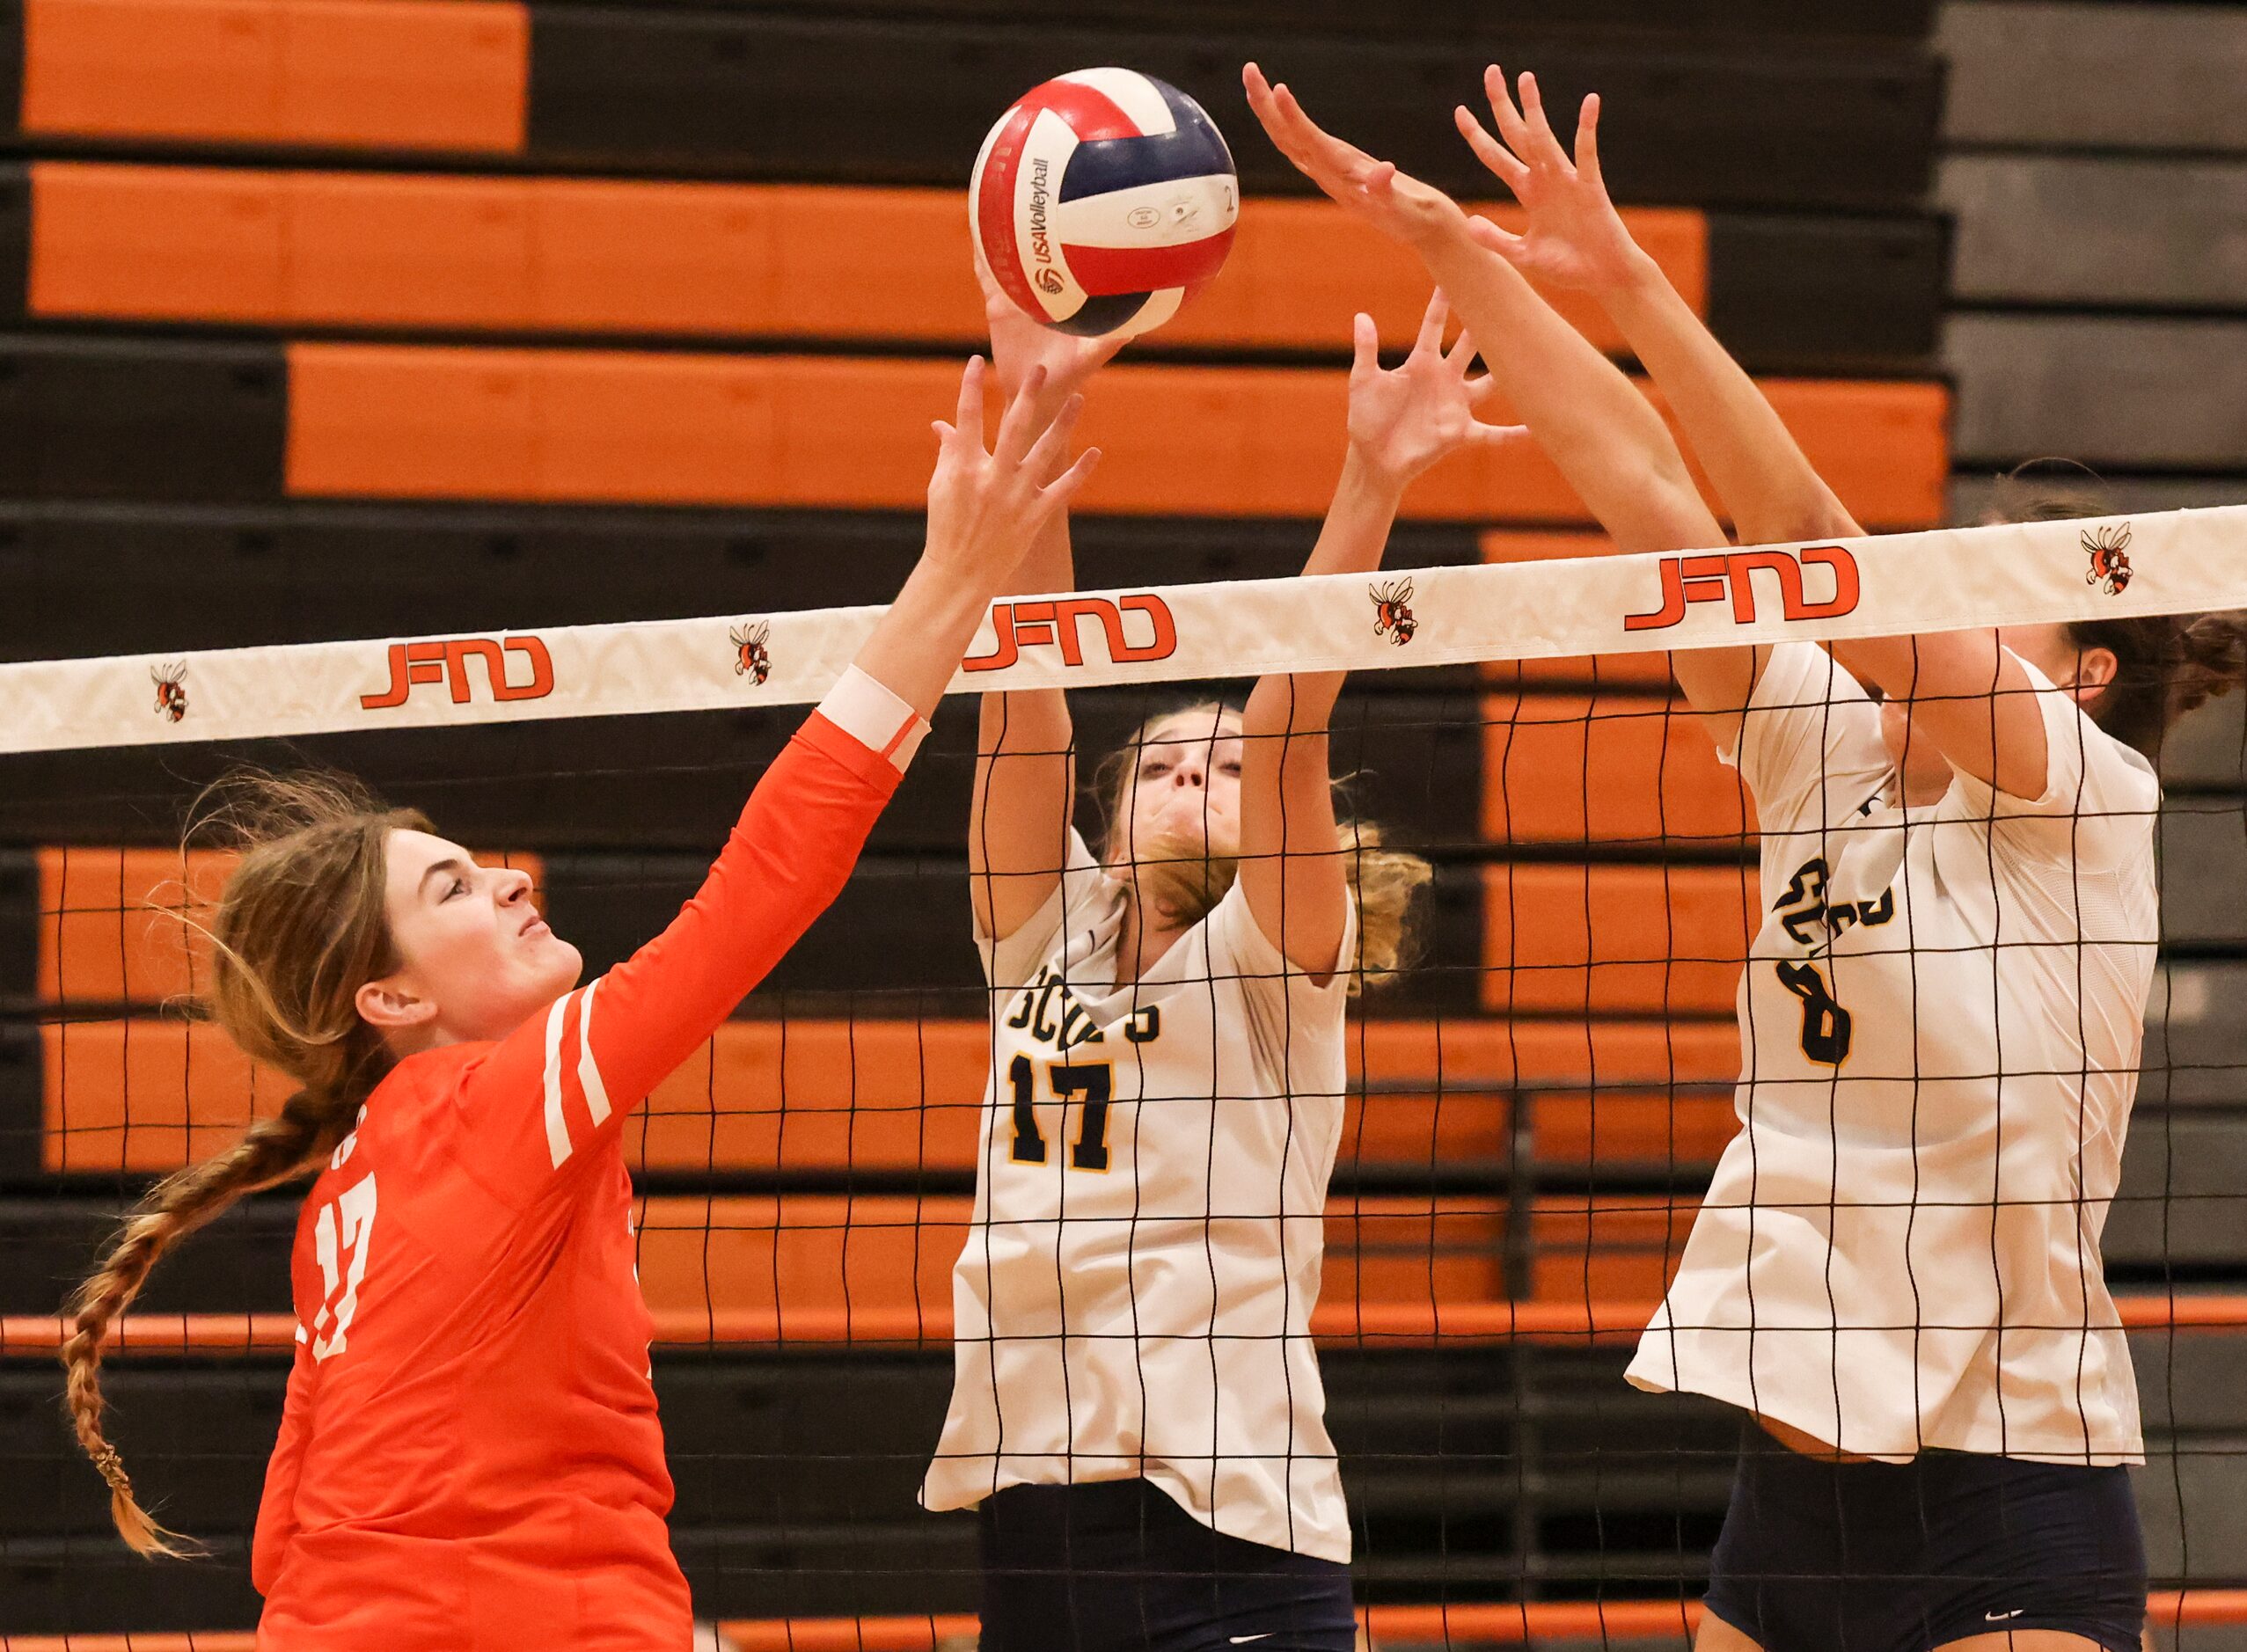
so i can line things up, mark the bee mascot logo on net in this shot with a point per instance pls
(751, 659)
(2108, 550)
(171, 689)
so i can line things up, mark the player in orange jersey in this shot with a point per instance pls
(470, 1456)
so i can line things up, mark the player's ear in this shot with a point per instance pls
(2095, 669)
(387, 1005)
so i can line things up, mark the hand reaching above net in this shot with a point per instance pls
(1392, 201)
(1404, 420)
(1019, 344)
(986, 507)
(1576, 238)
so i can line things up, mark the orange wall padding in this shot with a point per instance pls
(148, 1094)
(387, 74)
(775, 261)
(883, 1259)
(1615, 939)
(404, 421)
(1567, 768)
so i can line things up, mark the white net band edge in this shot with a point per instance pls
(2179, 562)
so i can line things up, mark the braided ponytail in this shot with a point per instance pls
(299, 929)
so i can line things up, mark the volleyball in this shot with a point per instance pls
(1102, 199)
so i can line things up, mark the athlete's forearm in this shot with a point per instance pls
(1351, 540)
(1610, 444)
(1034, 719)
(1754, 461)
(788, 856)
(1607, 440)
(1969, 695)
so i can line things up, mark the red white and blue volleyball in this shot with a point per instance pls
(1102, 201)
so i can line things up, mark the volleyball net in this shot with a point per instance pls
(1534, 1108)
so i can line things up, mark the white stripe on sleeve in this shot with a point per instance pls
(589, 1072)
(876, 718)
(557, 1129)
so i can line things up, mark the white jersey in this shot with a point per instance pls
(1940, 1032)
(1135, 1295)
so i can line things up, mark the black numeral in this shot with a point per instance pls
(1825, 1023)
(1094, 1082)
(1030, 1142)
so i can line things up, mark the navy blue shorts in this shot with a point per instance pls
(1877, 1557)
(1115, 1566)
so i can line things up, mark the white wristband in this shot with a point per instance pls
(874, 717)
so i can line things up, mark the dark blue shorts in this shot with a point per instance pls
(1880, 1557)
(1115, 1566)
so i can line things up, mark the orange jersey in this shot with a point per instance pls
(470, 1456)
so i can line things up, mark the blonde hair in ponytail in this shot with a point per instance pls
(299, 928)
(1184, 882)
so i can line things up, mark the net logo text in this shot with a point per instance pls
(446, 661)
(1054, 623)
(1717, 576)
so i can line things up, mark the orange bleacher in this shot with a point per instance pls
(1615, 939)
(1607, 769)
(422, 421)
(401, 74)
(145, 1095)
(401, 250)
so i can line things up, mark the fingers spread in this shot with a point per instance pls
(1488, 151)
(1052, 442)
(1066, 487)
(1431, 323)
(1365, 348)
(1015, 429)
(1587, 142)
(970, 416)
(1498, 435)
(1461, 354)
(1547, 148)
(1505, 243)
(1501, 109)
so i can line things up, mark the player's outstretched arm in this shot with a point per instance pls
(1026, 778)
(986, 508)
(599, 1051)
(1607, 439)
(1400, 423)
(1576, 238)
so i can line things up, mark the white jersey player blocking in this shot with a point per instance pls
(1135, 1295)
(1940, 1022)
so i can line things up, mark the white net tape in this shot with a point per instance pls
(2016, 574)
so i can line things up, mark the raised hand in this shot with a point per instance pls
(985, 507)
(1403, 421)
(1020, 344)
(1576, 238)
(1403, 207)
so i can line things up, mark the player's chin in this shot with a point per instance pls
(556, 963)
